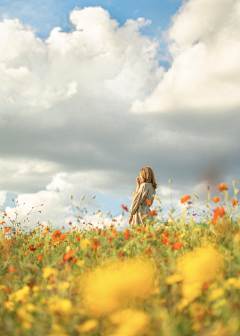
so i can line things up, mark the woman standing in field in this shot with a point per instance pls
(144, 192)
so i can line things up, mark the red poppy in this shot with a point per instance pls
(31, 248)
(125, 207)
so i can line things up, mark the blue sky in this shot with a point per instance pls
(45, 15)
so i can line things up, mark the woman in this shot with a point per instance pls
(147, 189)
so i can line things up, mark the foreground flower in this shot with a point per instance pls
(198, 267)
(117, 286)
(130, 322)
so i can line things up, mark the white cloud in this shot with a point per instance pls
(66, 107)
(3, 195)
(55, 206)
(204, 44)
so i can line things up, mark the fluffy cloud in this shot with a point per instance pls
(65, 107)
(204, 45)
(53, 206)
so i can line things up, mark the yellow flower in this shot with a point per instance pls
(174, 278)
(85, 243)
(130, 322)
(220, 303)
(80, 263)
(117, 285)
(9, 305)
(20, 295)
(59, 306)
(48, 271)
(63, 286)
(215, 294)
(26, 318)
(2, 287)
(87, 326)
(198, 267)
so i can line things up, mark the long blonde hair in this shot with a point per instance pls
(148, 176)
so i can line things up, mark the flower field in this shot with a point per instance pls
(175, 278)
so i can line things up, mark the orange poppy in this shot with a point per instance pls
(218, 212)
(185, 198)
(12, 269)
(222, 187)
(148, 202)
(165, 241)
(177, 245)
(126, 234)
(216, 199)
(234, 202)
(153, 213)
(68, 256)
(148, 250)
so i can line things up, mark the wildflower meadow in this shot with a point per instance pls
(175, 277)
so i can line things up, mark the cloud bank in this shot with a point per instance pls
(67, 106)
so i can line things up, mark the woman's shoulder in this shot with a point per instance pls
(147, 185)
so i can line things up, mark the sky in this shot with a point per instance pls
(93, 91)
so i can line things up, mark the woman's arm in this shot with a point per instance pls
(138, 198)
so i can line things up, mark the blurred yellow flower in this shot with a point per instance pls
(59, 306)
(20, 295)
(130, 322)
(63, 286)
(87, 326)
(48, 271)
(117, 285)
(174, 278)
(216, 294)
(85, 243)
(198, 267)
(80, 263)
(9, 305)
(26, 318)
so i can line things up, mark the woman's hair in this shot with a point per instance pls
(148, 176)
